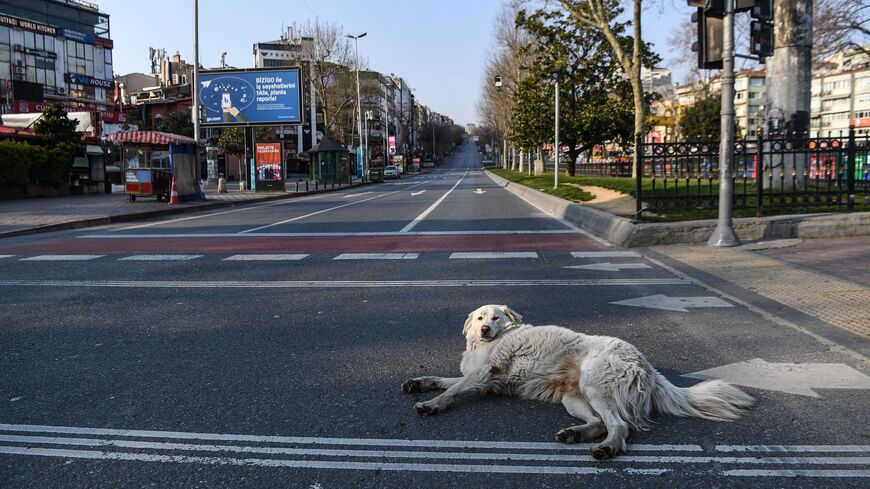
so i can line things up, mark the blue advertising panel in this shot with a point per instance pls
(251, 97)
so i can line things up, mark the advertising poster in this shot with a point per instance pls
(251, 97)
(392, 141)
(268, 157)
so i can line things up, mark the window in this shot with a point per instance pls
(5, 53)
(754, 95)
(77, 58)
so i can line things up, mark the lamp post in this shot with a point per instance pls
(358, 100)
(195, 91)
(556, 147)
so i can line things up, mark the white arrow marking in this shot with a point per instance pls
(793, 378)
(356, 195)
(479, 191)
(418, 193)
(610, 267)
(666, 303)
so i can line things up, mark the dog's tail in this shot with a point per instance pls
(713, 399)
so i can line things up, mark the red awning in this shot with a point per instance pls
(149, 137)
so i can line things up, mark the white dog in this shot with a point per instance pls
(604, 381)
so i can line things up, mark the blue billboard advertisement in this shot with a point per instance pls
(251, 97)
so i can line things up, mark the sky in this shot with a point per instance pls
(438, 46)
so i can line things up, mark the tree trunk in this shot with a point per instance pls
(637, 86)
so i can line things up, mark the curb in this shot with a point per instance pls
(138, 216)
(627, 234)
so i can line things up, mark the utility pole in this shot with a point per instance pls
(195, 91)
(556, 147)
(723, 235)
(787, 104)
(362, 164)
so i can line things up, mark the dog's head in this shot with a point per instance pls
(487, 322)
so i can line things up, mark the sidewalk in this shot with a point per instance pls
(827, 279)
(25, 216)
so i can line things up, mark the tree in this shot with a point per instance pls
(178, 122)
(840, 25)
(602, 15)
(59, 133)
(532, 119)
(595, 98)
(232, 142)
(701, 121)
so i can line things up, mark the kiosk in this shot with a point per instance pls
(150, 161)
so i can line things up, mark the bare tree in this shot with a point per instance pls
(840, 25)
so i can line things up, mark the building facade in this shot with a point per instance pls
(56, 51)
(840, 99)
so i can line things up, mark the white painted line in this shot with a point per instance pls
(798, 473)
(430, 455)
(267, 257)
(356, 195)
(246, 208)
(160, 257)
(610, 267)
(604, 254)
(377, 256)
(304, 440)
(325, 284)
(493, 255)
(420, 192)
(417, 220)
(318, 212)
(6, 256)
(317, 235)
(795, 448)
(310, 464)
(62, 257)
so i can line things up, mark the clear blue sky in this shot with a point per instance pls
(439, 46)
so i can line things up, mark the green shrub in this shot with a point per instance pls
(17, 161)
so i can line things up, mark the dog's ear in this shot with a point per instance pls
(467, 323)
(514, 316)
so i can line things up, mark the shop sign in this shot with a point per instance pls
(29, 106)
(106, 43)
(77, 35)
(113, 116)
(10, 21)
(88, 81)
(36, 52)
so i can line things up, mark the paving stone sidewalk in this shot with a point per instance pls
(827, 279)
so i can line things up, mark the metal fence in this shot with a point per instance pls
(794, 173)
(604, 169)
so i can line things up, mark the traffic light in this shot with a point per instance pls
(711, 32)
(761, 29)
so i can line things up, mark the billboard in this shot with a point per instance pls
(251, 97)
(268, 161)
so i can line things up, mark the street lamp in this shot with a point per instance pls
(556, 147)
(358, 100)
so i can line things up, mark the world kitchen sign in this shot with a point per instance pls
(88, 81)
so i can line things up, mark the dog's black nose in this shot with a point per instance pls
(484, 329)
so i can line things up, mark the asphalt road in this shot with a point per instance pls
(265, 346)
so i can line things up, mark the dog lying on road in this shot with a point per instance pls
(604, 381)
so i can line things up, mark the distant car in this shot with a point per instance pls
(391, 171)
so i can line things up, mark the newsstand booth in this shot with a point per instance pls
(152, 158)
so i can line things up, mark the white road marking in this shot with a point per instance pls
(792, 378)
(417, 220)
(327, 235)
(414, 194)
(493, 255)
(668, 303)
(160, 257)
(356, 195)
(309, 464)
(795, 448)
(798, 473)
(604, 254)
(307, 440)
(324, 284)
(62, 257)
(268, 257)
(377, 256)
(318, 212)
(610, 267)
(6, 256)
(246, 208)
(479, 191)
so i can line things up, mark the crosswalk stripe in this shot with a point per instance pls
(62, 257)
(604, 254)
(377, 256)
(799, 473)
(6, 256)
(267, 257)
(160, 257)
(794, 448)
(493, 255)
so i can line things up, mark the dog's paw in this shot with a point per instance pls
(425, 409)
(602, 452)
(413, 386)
(567, 436)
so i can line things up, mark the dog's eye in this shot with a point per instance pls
(495, 318)
(480, 318)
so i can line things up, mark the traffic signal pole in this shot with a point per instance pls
(723, 235)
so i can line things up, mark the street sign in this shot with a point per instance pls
(792, 378)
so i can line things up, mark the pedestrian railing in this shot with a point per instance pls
(794, 173)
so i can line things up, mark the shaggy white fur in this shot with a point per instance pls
(604, 381)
